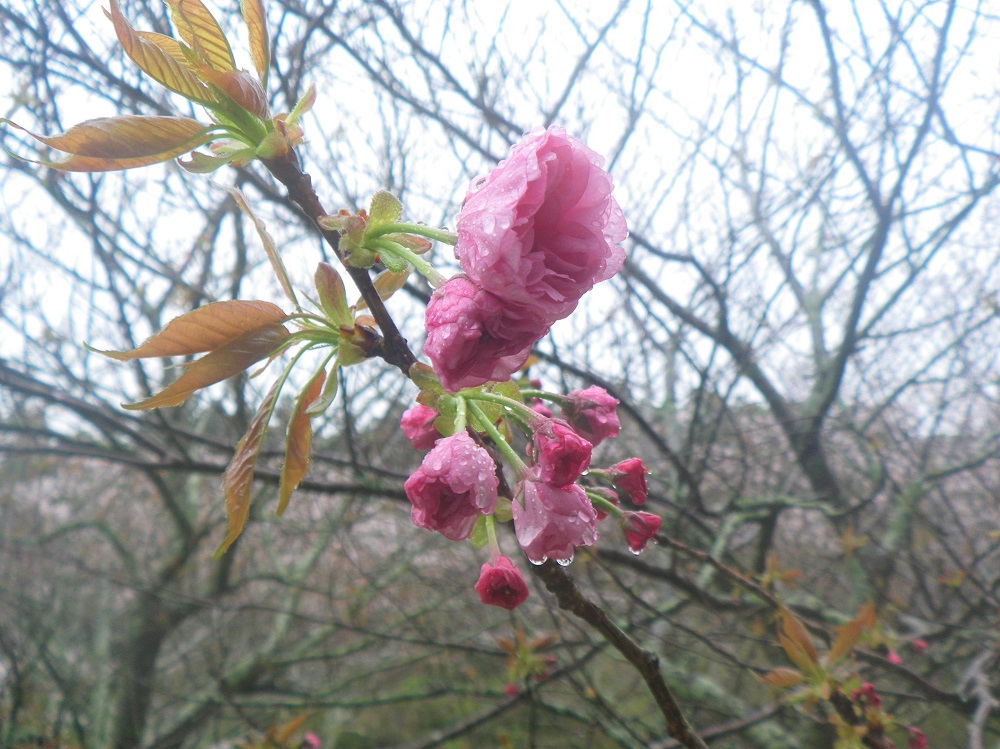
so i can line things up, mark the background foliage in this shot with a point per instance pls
(804, 341)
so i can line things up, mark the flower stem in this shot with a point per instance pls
(502, 445)
(424, 268)
(438, 235)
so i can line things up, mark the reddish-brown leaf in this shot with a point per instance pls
(797, 633)
(332, 294)
(298, 441)
(387, 283)
(198, 27)
(160, 57)
(850, 633)
(260, 43)
(238, 478)
(227, 360)
(782, 677)
(204, 329)
(113, 143)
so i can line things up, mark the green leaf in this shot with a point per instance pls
(385, 208)
(203, 329)
(238, 478)
(328, 396)
(198, 27)
(332, 295)
(222, 363)
(113, 143)
(479, 538)
(298, 441)
(850, 633)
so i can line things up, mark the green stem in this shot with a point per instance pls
(491, 536)
(424, 268)
(438, 235)
(602, 504)
(483, 422)
(508, 403)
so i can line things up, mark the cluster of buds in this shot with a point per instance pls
(557, 500)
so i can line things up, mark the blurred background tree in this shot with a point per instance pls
(804, 341)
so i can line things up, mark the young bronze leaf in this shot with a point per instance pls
(198, 27)
(269, 247)
(113, 143)
(850, 633)
(797, 633)
(238, 478)
(298, 441)
(204, 329)
(782, 677)
(260, 44)
(161, 58)
(332, 294)
(224, 362)
(387, 283)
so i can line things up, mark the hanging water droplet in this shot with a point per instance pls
(635, 552)
(538, 562)
(565, 562)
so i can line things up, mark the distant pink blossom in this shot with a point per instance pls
(418, 424)
(310, 741)
(501, 584)
(542, 228)
(893, 657)
(917, 738)
(866, 693)
(454, 485)
(473, 337)
(920, 646)
(593, 414)
(562, 454)
(629, 477)
(510, 689)
(552, 520)
(640, 527)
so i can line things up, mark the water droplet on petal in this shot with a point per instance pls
(565, 562)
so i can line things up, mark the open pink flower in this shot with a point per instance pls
(455, 484)
(593, 414)
(640, 527)
(473, 337)
(553, 520)
(501, 584)
(417, 423)
(542, 228)
(629, 477)
(562, 454)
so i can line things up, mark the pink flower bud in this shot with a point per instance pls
(592, 413)
(510, 689)
(866, 694)
(418, 424)
(455, 484)
(629, 477)
(542, 228)
(474, 338)
(893, 657)
(540, 408)
(562, 454)
(310, 741)
(640, 527)
(919, 646)
(552, 520)
(501, 584)
(917, 738)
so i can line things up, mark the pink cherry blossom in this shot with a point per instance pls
(473, 337)
(553, 520)
(418, 424)
(310, 741)
(640, 527)
(501, 584)
(455, 484)
(562, 454)
(629, 477)
(592, 413)
(542, 228)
